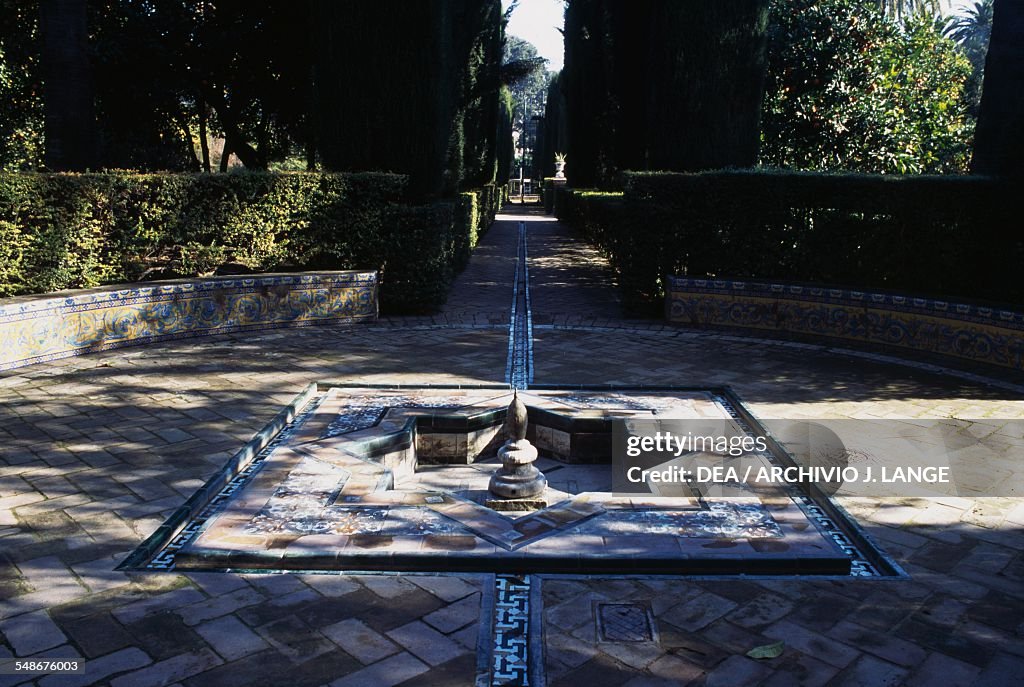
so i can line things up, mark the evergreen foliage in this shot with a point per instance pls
(506, 146)
(60, 231)
(587, 92)
(999, 141)
(556, 135)
(972, 31)
(373, 117)
(849, 89)
(68, 105)
(905, 9)
(704, 105)
(662, 84)
(402, 85)
(923, 235)
(480, 95)
(21, 104)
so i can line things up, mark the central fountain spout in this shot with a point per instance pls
(518, 484)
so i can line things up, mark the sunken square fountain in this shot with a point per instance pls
(438, 479)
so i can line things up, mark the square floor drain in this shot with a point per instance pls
(624, 623)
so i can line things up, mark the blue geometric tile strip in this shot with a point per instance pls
(519, 365)
(511, 628)
(36, 329)
(511, 645)
(889, 321)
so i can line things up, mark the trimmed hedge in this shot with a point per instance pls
(929, 235)
(63, 231)
(477, 209)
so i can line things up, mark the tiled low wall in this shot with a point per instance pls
(918, 327)
(39, 328)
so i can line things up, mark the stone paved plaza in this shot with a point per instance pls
(97, 451)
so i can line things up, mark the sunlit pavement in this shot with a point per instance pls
(97, 451)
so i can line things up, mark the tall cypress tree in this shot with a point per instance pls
(481, 31)
(386, 96)
(999, 137)
(587, 91)
(706, 83)
(505, 146)
(68, 107)
(401, 84)
(663, 85)
(630, 78)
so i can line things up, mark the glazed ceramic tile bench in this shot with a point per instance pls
(36, 329)
(947, 332)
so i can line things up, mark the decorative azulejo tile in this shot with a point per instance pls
(378, 498)
(961, 331)
(41, 328)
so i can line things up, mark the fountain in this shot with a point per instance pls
(518, 484)
(486, 479)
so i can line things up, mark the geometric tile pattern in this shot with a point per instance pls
(350, 502)
(36, 329)
(355, 416)
(944, 329)
(511, 630)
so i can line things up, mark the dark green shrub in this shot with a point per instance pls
(421, 257)
(928, 235)
(61, 231)
(469, 219)
(476, 209)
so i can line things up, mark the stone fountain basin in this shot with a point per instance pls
(397, 480)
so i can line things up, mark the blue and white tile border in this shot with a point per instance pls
(35, 329)
(951, 331)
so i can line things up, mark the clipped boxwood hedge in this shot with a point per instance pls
(929, 235)
(61, 231)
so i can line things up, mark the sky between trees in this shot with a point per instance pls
(538, 21)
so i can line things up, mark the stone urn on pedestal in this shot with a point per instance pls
(518, 484)
(559, 165)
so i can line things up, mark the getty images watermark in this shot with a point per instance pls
(918, 458)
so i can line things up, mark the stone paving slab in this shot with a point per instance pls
(88, 422)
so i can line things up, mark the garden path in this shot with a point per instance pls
(96, 451)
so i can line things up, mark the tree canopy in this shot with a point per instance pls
(850, 89)
(525, 74)
(162, 73)
(866, 85)
(972, 30)
(21, 102)
(901, 9)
